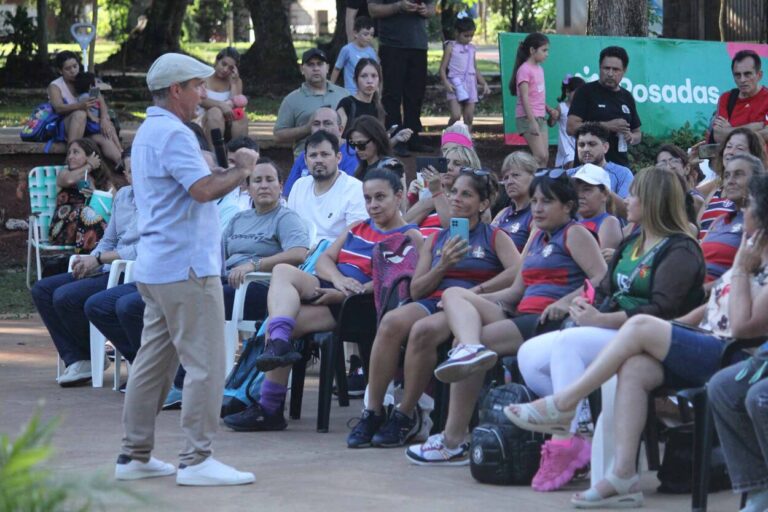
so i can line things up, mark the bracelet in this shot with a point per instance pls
(98, 258)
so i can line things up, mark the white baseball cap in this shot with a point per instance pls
(173, 68)
(594, 175)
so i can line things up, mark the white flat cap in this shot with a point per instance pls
(173, 68)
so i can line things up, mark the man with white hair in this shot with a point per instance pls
(177, 273)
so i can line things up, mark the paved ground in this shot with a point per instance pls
(298, 469)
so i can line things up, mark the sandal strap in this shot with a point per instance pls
(620, 485)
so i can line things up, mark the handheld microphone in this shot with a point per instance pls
(218, 147)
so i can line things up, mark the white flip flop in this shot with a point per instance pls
(591, 499)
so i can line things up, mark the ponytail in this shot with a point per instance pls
(533, 40)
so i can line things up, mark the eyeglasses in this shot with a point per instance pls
(552, 174)
(669, 161)
(359, 145)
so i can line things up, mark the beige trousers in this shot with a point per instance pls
(183, 322)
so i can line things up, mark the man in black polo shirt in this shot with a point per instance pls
(605, 102)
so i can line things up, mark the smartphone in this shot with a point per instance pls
(460, 227)
(588, 292)
(94, 92)
(438, 162)
(707, 151)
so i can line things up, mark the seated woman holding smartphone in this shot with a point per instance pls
(74, 223)
(658, 271)
(559, 258)
(648, 352)
(430, 202)
(300, 303)
(470, 254)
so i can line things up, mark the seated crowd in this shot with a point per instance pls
(583, 274)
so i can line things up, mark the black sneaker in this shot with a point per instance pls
(356, 377)
(398, 429)
(366, 427)
(401, 150)
(277, 353)
(256, 419)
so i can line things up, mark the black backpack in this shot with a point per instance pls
(676, 472)
(501, 453)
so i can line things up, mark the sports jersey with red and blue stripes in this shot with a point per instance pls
(355, 256)
(549, 271)
(716, 207)
(430, 224)
(480, 264)
(593, 224)
(516, 223)
(721, 243)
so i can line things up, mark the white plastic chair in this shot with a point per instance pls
(233, 327)
(97, 339)
(42, 204)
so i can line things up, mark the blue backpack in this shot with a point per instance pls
(243, 386)
(44, 125)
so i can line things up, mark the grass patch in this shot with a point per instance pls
(15, 299)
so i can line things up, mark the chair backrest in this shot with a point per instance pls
(42, 194)
(312, 228)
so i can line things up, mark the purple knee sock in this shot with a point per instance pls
(272, 396)
(281, 328)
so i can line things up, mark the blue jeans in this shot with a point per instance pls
(741, 418)
(119, 314)
(60, 299)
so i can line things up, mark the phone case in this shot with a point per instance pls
(460, 227)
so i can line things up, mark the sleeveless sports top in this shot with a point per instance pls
(430, 224)
(593, 224)
(549, 271)
(480, 264)
(721, 243)
(517, 224)
(355, 256)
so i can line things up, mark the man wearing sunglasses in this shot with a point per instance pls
(328, 120)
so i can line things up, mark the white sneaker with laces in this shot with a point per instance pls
(463, 361)
(434, 453)
(76, 374)
(212, 472)
(129, 469)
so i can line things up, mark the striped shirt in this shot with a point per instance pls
(721, 243)
(355, 256)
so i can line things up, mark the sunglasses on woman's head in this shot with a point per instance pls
(482, 173)
(359, 145)
(552, 174)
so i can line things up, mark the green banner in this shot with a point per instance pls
(673, 81)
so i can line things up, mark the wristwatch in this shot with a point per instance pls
(256, 262)
(98, 257)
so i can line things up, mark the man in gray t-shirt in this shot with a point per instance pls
(403, 53)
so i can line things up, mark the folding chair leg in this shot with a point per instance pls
(118, 364)
(29, 260)
(327, 360)
(298, 374)
(702, 451)
(651, 435)
(342, 387)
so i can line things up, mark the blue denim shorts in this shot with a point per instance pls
(429, 305)
(693, 358)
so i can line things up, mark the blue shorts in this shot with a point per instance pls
(693, 357)
(430, 305)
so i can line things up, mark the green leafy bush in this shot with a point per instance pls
(644, 154)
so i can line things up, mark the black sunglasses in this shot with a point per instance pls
(358, 145)
(481, 173)
(552, 174)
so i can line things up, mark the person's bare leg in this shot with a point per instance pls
(503, 337)
(461, 405)
(239, 128)
(455, 109)
(421, 358)
(107, 147)
(468, 112)
(538, 145)
(641, 334)
(637, 377)
(213, 118)
(385, 353)
(467, 313)
(74, 125)
(288, 287)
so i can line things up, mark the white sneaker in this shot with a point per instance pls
(463, 361)
(128, 469)
(213, 472)
(76, 374)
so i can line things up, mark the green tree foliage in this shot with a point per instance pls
(113, 19)
(22, 33)
(525, 15)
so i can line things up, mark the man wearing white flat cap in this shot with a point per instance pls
(177, 271)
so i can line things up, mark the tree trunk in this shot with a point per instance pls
(618, 18)
(447, 18)
(68, 14)
(160, 36)
(42, 32)
(270, 62)
(242, 20)
(339, 39)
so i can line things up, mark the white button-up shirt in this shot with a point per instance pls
(176, 232)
